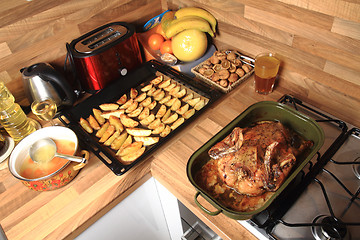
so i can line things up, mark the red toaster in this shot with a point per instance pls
(104, 55)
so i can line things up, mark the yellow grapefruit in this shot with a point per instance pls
(189, 45)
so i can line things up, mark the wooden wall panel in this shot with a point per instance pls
(37, 31)
(318, 43)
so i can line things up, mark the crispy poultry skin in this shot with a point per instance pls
(257, 159)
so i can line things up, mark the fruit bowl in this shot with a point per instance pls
(225, 69)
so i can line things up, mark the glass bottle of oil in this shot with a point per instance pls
(12, 117)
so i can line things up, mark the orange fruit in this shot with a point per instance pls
(189, 45)
(159, 30)
(166, 47)
(155, 40)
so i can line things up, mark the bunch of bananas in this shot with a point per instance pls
(188, 18)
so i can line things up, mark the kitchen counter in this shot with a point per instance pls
(66, 212)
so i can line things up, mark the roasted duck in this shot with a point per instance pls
(257, 159)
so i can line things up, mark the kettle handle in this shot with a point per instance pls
(51, 75)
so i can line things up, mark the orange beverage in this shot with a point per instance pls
(266, 69)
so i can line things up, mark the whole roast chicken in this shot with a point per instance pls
(257, 159)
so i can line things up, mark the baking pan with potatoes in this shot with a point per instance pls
(123, 123)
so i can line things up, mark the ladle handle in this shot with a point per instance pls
(71, 158)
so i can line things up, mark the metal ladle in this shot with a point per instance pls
(50, 152)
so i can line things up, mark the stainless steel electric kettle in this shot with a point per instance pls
(42, 81)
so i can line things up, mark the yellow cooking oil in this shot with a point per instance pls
(12, 117)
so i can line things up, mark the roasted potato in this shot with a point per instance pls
(93, 123)
(193, 101)
(112, 138)
(98, 117)
(132, 107)
(170, 87)
(146, 102)
(154, 124)
(188, 97)
(140, 98)
(147, 141)
(165, 99)
(138, 131)
(152, 105)
(148, 120)
(102, 130)
(144, 114)
(177, 123)
(127, 121)
(127, 104)
(86, 125)
(171, 118)
(122, 100)
(166, 131)
(147, 87)
(136, 112)
(151, 91)
(157, 80)
(128, 159)
(109, 131)
(165, 83)
(175, 90)
(132, 147)
(176, 105)
(126, 143)
(133, 93)
(170, 102)
(159, 129)
(118, 142)
(183, 109)
(115, 121)
(181, 93)
(189, 113)
(109, 106)
(199, 105)
(166, 115)
(115, 113)
(161, 112)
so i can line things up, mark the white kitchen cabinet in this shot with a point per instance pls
(150, 212)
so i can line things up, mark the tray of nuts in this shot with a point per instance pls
(225, 69)
(126, 121)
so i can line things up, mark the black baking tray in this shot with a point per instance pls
(111, 93)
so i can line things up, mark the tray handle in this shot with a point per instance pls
(205, 209)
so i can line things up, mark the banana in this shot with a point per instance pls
(188, 11)
(189, 22)
(167, 19)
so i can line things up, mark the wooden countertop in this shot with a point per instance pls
(66, 212)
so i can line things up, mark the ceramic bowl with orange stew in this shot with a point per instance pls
(50, 175)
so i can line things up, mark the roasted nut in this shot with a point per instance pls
(240, 72)
(225, 64)
(221, 55)
(224, 74)
(202, 70)
(208, 73)
(246, 68)
(207, 62)
(237, 62)
(224, 83)
(231, 56)
(232, 68)
(233, 77)
(214, 59)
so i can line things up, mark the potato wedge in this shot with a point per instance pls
(98, 117)
(127, 121)
(189, 113)
(127, 104)
(109, 131)
(115, 121)
(152, 105)
(170, 102)
(102, 130)
(199, 105)
(136, 112)
(159, 96)
(188, 97)
(147, 141)
(176, 105)
(93, 123)
(154, 124)
(166, 115)
(112, 138)
(159, 129)
(132, 107)
(133, 93)
(193, 101)
(146, 102)
(165, 83)
(148, 120)
(115, 113)
(133, 147)
(140, 98)
(181, 93)
(165, 99)
(170, 87)
(157, 80)
(151, 91)
(144, 113)
(122, 100)
(147, 87)
(130, 158)
(126, 143)
(177, 123)
(166, 131)
(109, 106)
(86, 125)
(175, 90)
(138, 131)
(171, 119)
(161, 112)
(116, 144)
(183, 109)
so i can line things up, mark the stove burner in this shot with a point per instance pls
(356, 168)
(331, 229)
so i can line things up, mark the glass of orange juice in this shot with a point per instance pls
(266, 70)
